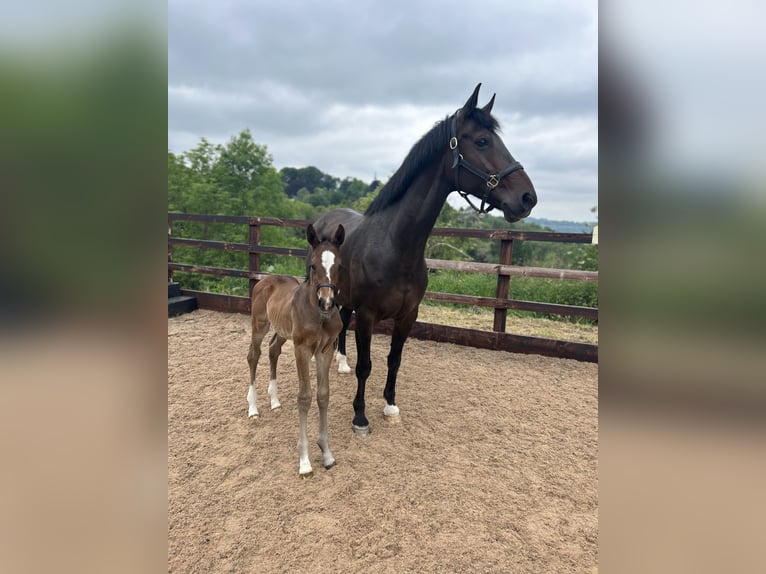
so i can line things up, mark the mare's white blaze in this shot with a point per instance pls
(328, 260)
(252, 410)
(391, 411)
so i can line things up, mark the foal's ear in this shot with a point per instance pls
(311, 235)
(470, 105)
(340, 235)
(488, 107)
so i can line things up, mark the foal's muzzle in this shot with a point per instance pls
(326, 292)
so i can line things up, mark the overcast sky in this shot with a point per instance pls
(349, 86)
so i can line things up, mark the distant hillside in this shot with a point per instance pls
(563, 226)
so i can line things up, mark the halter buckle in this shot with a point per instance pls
(453, 143)
(492, 182)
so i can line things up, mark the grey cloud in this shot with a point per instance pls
(281, 69)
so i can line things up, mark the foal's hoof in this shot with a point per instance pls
(328, 466)
(392, 419)
(306, 475)
(344, 369)
(361, 431)
(254, 417)
(277, 409)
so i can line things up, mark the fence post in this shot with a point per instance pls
(170, 251)
(503, 284)
(254, 263)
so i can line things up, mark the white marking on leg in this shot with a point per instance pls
(342, 363)
(252, 410)
(275, 404)
(391, 411)
(305, 466)
(328, 460)
(328, 260)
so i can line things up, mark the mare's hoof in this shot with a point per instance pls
(254, 417)
(391, 414)
(344, 369)
(277, 409)
(329, 466)
(361, 431)
(306, 475)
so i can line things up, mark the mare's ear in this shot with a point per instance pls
(488, 107)
(470, 105)
(340, 235)
(311, 235)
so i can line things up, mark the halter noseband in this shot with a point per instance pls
(492, 180)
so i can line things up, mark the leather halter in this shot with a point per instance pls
(492, 180)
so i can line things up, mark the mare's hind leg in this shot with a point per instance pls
(398, 337)
(324, 361)
(345, 315)
(275, 349)
(260, 328)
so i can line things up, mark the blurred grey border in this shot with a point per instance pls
(682, 216)
(83, 144)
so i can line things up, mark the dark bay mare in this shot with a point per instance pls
(384, 274)
(308, 314)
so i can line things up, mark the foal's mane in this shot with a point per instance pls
(434, 143)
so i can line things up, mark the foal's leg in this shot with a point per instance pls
(398, 337)
(302, 359)
(363, 336)
(275, 349)
(324, 360)
(260, 328)
(345, 316)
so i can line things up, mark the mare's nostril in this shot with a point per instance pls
(528, 200)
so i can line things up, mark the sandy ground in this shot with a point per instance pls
(493, 467)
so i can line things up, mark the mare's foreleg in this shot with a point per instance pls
(275, 349)
(363, 336)
(398, 337)
(260, 328)
(324, 360)
(345, 316)
(302, 360)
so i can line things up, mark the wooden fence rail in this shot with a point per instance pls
(504, 269)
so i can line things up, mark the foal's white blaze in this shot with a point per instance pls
(328, 260)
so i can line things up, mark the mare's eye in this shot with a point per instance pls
(482, 142)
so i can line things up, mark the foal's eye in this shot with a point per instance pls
(482, 142)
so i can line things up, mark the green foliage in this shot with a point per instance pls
(578, 293)
(239, 179)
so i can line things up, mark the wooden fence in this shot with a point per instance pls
(496, 339)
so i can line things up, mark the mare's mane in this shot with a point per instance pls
(425, 151)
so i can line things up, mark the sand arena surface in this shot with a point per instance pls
(493, 467)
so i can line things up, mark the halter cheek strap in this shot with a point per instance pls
(492, 180)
